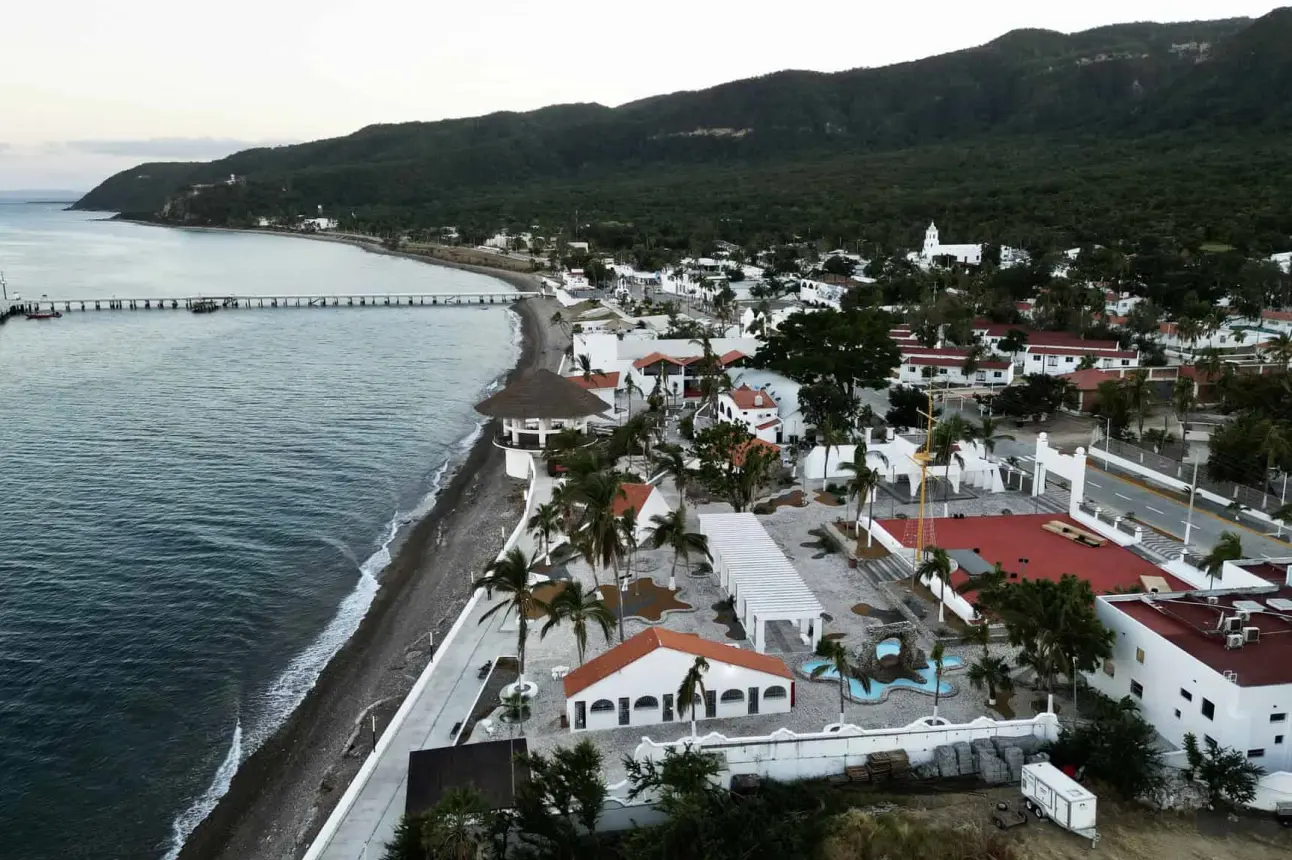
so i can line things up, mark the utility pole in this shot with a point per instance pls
(1188, 523)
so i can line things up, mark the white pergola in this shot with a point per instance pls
(753, 570)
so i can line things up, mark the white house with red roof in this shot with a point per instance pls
(646, 501)
(635, 683)
(1054, 353)
(644, 359)
(754, 409)
(604, 385)
(923, 365)
(1217, 664)
(1280, 321)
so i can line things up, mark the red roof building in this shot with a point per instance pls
(596, 381)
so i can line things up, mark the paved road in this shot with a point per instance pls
(1114, 492)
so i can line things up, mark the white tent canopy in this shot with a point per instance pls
(899, 452)
(753, 570)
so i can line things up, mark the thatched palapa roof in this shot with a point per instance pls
(542, 394)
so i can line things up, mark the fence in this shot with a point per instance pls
(1248, 497)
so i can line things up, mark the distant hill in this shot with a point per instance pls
(1045, 101)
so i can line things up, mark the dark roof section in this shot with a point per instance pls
(970, 562)
(487, 766)
(541, 394)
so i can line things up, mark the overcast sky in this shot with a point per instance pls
(90, 87)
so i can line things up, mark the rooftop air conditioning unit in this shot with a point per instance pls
(1243, 614)
(1212, 599)
(1233, 624)
(1251, 634)
(1233, 640)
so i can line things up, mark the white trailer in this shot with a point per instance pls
(1050, 793)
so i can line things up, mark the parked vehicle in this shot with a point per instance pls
(1006, 816)
(1050, 793)
(1283, 814)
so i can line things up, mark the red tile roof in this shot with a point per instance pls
(597, 380)
(733, 356)
(631, 650)
(657, 357)
(1190, 624)
(1277, 316)
(738, 455)
(950, 351)
(936, 361)
(751, 398)
(634, 496)
(1089, 380)
(771, 423)
(1006, 539)
(1095, 350)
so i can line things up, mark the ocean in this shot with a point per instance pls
(195, 509)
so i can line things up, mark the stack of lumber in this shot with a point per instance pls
(889, 764)
(859, 773)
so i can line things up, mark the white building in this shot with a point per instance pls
(950, 370)
(754, 409)
(1280, 321)
(1058, 360)
(575, 279)
(1283, 260)
(1215, 664)
(318, 224)
(821, 294)
(635, 683)
(604, 385)
(1119, 304)
(933, 249)
(1236, 335)
(647, 502)
(644, 358)
(785, 392)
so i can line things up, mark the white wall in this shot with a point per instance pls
(658, 674)
(785, 755)
(1069, 467)
(1242, 714)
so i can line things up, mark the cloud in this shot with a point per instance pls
(184, 148)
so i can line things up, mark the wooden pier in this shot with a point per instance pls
(357, 300)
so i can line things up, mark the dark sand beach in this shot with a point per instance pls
(284, 791)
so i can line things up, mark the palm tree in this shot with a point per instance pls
(579, 607)
(862, 486)
(835, 656)
(672, 459)
(988, 587)
(946, 434)
(1279, 349)
(991, 673)
(937, 655)
(629, 388)
(1139, 395)
(988, 433)
(832, 436)
(600, 545)
(1228, 548)
(936, 565)
(545, 522)
(692, 690)
(583, 363)
(510, 576)
(670, 531)
(1276, 442)
(558, 319)
(628, 535)
(1184, 396)
(456, 829)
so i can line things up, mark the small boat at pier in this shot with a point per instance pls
(44, 315)
(205, 306)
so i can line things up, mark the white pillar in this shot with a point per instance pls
(760, 634)
(815, 630)
(1078, 481)
(1042, 456)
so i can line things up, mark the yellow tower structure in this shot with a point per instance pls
(924, 458)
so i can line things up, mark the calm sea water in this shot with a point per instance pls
(194, 509)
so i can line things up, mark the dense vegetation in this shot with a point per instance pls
(1036, 139)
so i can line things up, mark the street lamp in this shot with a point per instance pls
(1188, 523)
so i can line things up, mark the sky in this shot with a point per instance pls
(91, 87)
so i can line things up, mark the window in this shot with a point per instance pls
(1177, 713)
(1257, 753)
(1186, 695)
(942, 371)
(1208, 709)
(1139, 655)
(1125, 362)
(602, 705)
(625, 715)
(1278, 718)
(774, 693)
(1278, 739)
(1052, 361)
(981, 376)
(997, 374)
(1137, 689)
(1067, 360)
(733, 696)
(1208, 740)
(645, 703)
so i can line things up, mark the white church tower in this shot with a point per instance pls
(931, 243)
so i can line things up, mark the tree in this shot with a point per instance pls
(946, 434)
(936, 566)
(1115, 746)
(991, 673)
(834, 657)
(863, 482)
(1276, 444)
(598, 538)
(544, 523)
(851, 348)
(937, 656)
(1139, 395)
(583, 364)
(841, 266)
(1054, 623)
(672, 460)
(558, 808)
(825, 401)
(1033, 396)
(989, 434)
(1184, 397)
(1279, 349)
(578, 608)
(1228, 548)
(670, 530)
(692, 690)
(1230, 777)
(832, 436)
(733, 464)
(1014, 341)
(756, 462)
(510, 576)
(906, 405)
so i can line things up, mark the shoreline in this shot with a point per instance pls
(282, 793)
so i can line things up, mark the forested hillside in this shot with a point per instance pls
(1035, 138)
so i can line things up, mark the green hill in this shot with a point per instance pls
(1034, 137)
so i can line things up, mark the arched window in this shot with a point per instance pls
(645, 703)
(733, 696)
(602, 705)
(774, 693)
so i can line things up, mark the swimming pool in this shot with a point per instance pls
(879, 691)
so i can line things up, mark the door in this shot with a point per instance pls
(623, 712)
(710, 704)
(580, 715)
(753, 700)
(668, 707)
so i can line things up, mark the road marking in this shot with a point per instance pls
(1120, 496)
(1266, 557)
(1093, 484)
(1155, 510)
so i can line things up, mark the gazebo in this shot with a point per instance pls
(534, 407)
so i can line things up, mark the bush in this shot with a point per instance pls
(1117, 747)
(1229, 776)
